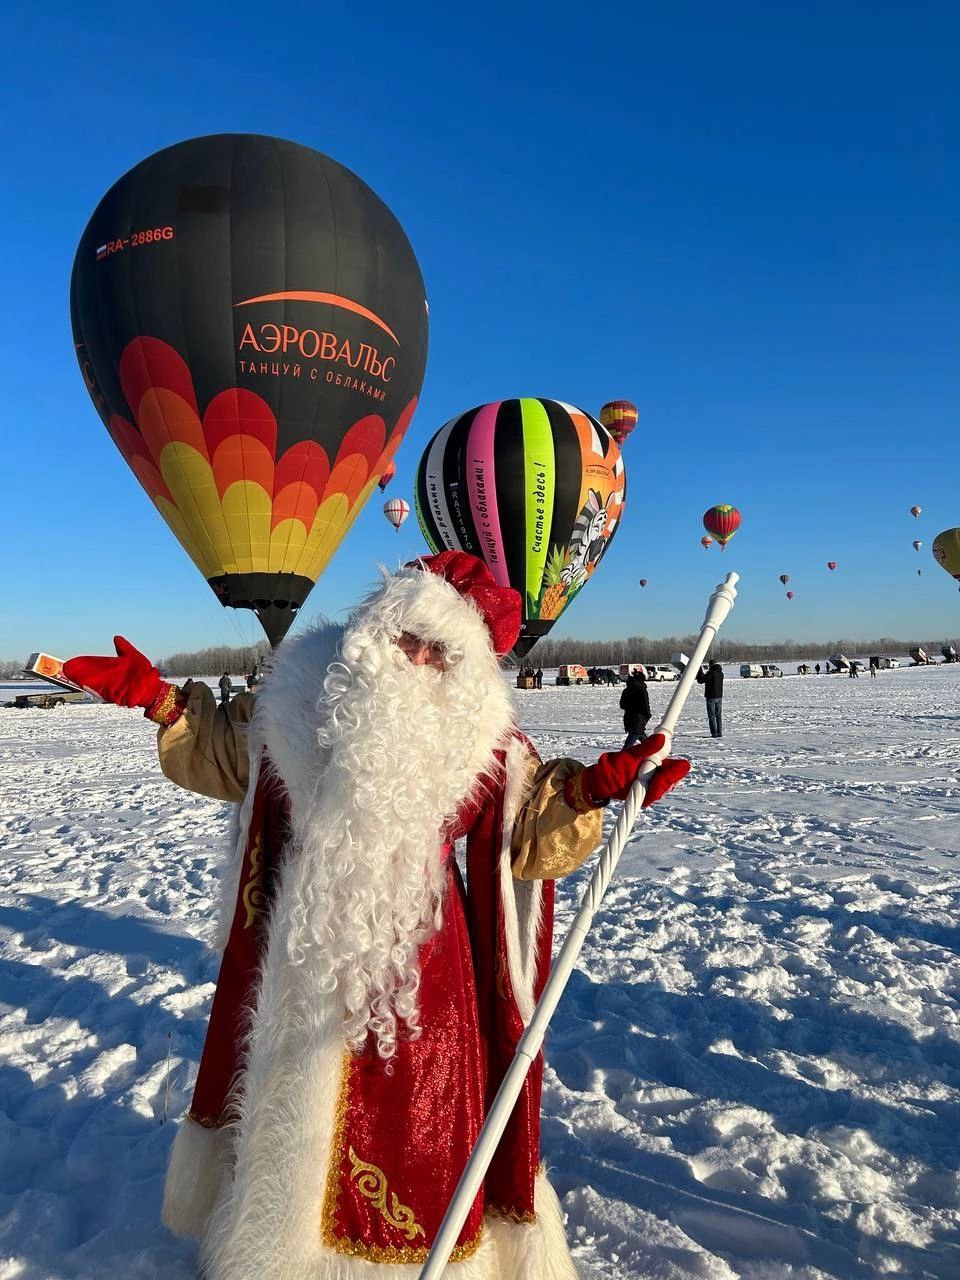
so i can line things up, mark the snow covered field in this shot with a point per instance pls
(754, 1073)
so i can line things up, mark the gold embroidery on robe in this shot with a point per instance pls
(372, 1183)
(253, 890)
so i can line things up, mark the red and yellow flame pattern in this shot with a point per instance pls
(235, 506)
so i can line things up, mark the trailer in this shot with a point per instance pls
(920, 658)
(949, 653)
(46, 701)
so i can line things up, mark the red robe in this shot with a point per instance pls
(403, 1134)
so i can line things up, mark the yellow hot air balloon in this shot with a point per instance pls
(946, 551)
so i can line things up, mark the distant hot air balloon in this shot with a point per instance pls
(919, 573)
(946, 551)
(722, 521)
(643, 582)
(915, 511)
(789, 595)
(784, 578)
(396, 511)
(389, 472)
(536, 488)
(250, 322)
(917, 544)
(831, 565)
(706, 543)
(619, 417)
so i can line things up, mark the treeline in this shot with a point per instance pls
(607, 653)
(215, 661)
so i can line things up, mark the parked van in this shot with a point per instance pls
(662, 671)
(751, 671)
(627, 669)
(572, 673)
(884, 664)
(771, 671)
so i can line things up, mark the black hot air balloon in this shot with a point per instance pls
(250, 321)
(536, 488)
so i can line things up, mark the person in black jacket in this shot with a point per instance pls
(712, 681)
(635, 704)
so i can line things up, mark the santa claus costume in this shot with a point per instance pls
(369, 1001)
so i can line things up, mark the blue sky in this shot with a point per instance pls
(742, 217)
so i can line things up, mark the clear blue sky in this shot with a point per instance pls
(742, 217)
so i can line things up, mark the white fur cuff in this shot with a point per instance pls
(198, 1160)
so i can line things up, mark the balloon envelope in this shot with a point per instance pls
(789, 595)
(643, 582)
(946, 551)
(396, 511)
(250, 322)
(619, 417)
(784, 578)
(917, 544)
(915, 511)
(831, 565)
(722, 521)
(389, 472)
(706, 543)
(536, 488)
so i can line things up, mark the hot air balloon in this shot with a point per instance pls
(919, 573)
(784, 578)
(643, 582)
(396, 511)
(619, 417)
(789, 595)
(831, 565)
(250, 322)
(917, 544)
(706, 543)
(722, 521)
(536, 488)
(946, 551)
(915, 511)
(389, 472)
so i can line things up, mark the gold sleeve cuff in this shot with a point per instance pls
(551, 837)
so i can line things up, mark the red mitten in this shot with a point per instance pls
(615, 773)
(128, 680)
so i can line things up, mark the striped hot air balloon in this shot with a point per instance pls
(396, 511)
(706, 542)
(915, 511)
(536, 488)
(722, 521)
(784, 578)
(619, 417)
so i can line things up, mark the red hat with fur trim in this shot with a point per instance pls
(500, 607)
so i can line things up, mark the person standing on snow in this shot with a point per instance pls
(226, 689)
(635, 705)
(369, 1002)
(712, 680)
(539, 677)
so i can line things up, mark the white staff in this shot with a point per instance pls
(721, 602)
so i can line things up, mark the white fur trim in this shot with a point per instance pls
(199, 1159)
(522, 899)
(536, 1249)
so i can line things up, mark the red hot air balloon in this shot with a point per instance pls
(706, 543)
(831, 565)
(389, 473)
(722, 521)
(619, 417)
(784, 578)
(789, 595)
(643, 582)
(250, 322)
(915, 511)
(396, 511)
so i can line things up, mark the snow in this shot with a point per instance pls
(755, 1071)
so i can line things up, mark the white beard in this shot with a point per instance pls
(366, 887)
